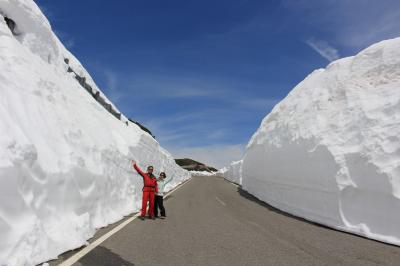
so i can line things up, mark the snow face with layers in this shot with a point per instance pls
(64, 160)
(330, 151)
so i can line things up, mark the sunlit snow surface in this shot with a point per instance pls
(330, 151)
(64, 160)
(202, 173)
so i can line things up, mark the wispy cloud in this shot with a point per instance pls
(375, 28)
(185, 129)
(257, 103)
(66, 39)
(189, 92)
(217, 134)
(160, 86)
(112, 85)
(324, 49)
(225, 92)
(352, 24)
(70, 43)
(213, 112)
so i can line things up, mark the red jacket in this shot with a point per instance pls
(149, 180)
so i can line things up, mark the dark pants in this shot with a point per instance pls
(159, 203)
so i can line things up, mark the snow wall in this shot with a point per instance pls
(232, 173)
(330, 151)
(202, 173)
(65, 150)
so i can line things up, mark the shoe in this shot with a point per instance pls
(163, 217)
(141, 218)
(153, 218)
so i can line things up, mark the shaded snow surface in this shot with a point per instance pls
(233, 172)
(330, 151)
(64, 160)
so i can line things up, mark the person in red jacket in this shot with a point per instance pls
(149, 189)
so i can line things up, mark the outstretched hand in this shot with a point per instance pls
(133, 162)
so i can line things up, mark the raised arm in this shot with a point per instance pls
(167, 180)
(140, 172)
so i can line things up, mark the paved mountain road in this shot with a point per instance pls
(212, 222)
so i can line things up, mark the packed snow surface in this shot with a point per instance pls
(330, 151)
(64, 159)
(232, 173)
(202, 173)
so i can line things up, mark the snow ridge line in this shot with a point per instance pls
(70, 261)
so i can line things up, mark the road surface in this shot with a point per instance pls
(213, 222)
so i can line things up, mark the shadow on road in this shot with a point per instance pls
(252, 198)
(103, 256)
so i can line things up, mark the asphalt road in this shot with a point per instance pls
(212, 222)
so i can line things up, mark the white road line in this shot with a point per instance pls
(93, 245)
(220, 201)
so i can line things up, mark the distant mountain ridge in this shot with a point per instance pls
(192, 165)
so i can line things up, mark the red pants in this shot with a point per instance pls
(148, 196)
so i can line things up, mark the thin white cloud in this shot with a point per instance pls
(188, 92)
(352, 24)
(66, 39)
(186, 129)
(188, 119)
(193, 126)
(217, 156)
(111, 79)
(324, 49)
(70, 43)
(112, 90)
(160, 86)
(257, 103)
(216, 134)
(209, 125)
(374, 29)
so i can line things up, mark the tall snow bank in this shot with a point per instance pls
(232, 173)
(64, 159)
(202, 173)
(330, 151)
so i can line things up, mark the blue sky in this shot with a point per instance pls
(202, 74)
